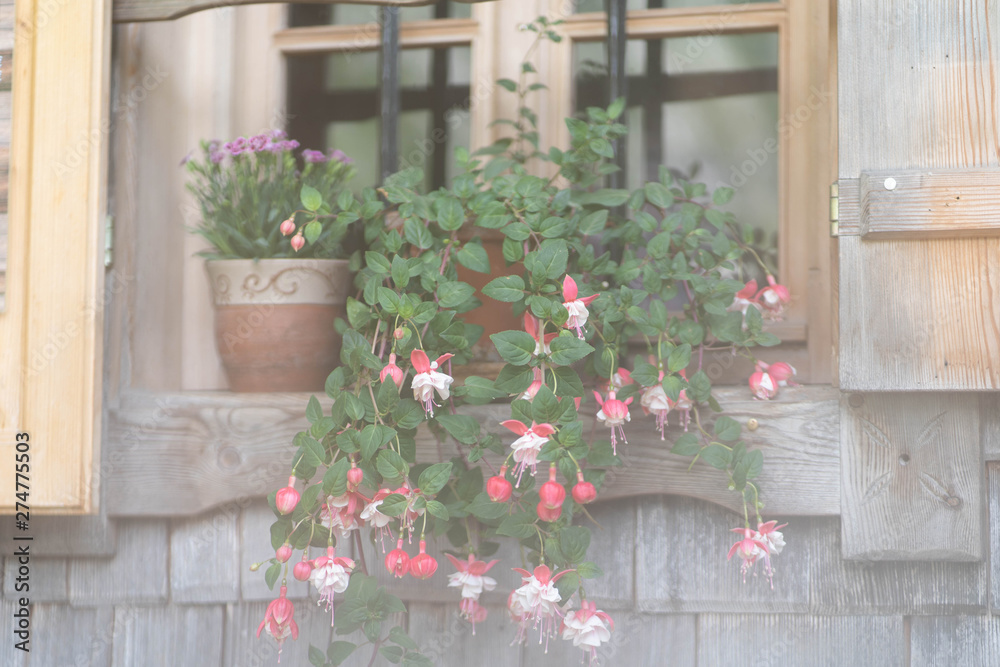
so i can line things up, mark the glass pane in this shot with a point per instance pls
(359, 140)
(706, 107)
(415, 68)
(352, 70)
(302, 15)
(459, 60)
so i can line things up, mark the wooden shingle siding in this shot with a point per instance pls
(777, 640)
(993, 535)
(136, 574)
(167, 636)
(956, 641)
(255, 547)
(241, 647)
(64, 635)
(612, 548)
(680, 561)
(445, 638)
(204, 558)
(46, 580)
(60, 535)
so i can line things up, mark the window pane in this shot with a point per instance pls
(359, 140)
(706, 107)
(352, 71)
(348, 14)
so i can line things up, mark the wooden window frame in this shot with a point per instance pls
(51, 331)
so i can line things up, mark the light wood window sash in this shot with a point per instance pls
(51, 333)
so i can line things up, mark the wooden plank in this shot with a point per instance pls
(993, 498)
(195, 578)
(989, 423)
(956, 641)
(255, 547)
(680, 536)
(94, 535)
(136, 574)
(85, 636)
(804, 641)
(126, 11)
(242, 647)
(839, 586)
(612, 548)
(912, 477)
(943, 336)
(180, 454)
(913, 204)
(45, 580)
(168, 635)
(638, 639)
(447, 639)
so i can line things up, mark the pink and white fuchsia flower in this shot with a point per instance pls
(536, 603)
(762, 385)
(331, 574)
(780, 372)
(527, 447)
(749, 549)
(588, 628)
(769, 534)
(393, 371)
(743, 298)
(614, 413)
(375, 519)
(773, 299)
(575, 306)
(279, 621)
(471, 576)
(428, 379)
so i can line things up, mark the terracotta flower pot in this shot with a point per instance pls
(274, 321)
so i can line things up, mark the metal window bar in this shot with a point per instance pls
(389, 91)
(618, 82)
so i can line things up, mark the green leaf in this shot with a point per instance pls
(454, 293)
(701, 386)
(519, 526)
(515, 347)
(373, 437)
(505, 288)
(408, 414)
(312, 231)
(450, 215)
(393, 654)
(311, 198)
(573, 543)
(602, 147)
(312, 449)
(313, 410)
(593, 223)
(316, 656)
(568, 383)
(400, 272)
(727, 429)
(550, 259)
(271, 575)
(605, 197)
(473, 257)
(722, 195)
(716, 456)
(567, 349)
(616, 108)
(463, 428)
(434, 478)
(507, 84)
(417, 234)
(335, 478)
(754, 462)
(672, 386)
(686, 445)
(513, 379)
(658, 195)
(588, 570)
(482, 507)
(391, 465)
(679, 358)
(377, 262)
(393, 504)
(436, 509)
(339, 651)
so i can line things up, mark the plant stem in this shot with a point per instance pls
(361, 551)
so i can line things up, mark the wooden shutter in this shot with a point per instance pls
(919, 273)
(50, 332)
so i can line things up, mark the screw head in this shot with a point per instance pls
(752, 424)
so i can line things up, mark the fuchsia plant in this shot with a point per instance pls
(587, 310)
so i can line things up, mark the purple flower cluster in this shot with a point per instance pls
(319, 156)
(274, 141)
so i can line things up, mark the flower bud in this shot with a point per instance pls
(398, 333)
(782, 373)
(546, 514)
(287, 227)
(255, 566)
(763, 386)
(423, 565)
(297, 242)
(552, 493)
(583, 492)
(498, 488)
(287, 498)
(397, 561)
(355, 476)
(283, 553)
(302, 569)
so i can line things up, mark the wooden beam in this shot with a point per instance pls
(365, 37)
(183, 453)
(680, 22)
(127, 11)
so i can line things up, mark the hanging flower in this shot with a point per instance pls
(773, 299)
(536, 603)
(613, 413)
(498, 487)
(331, 574)
(393, 371)
(769, 534)
(583, 491)
(374, 518)
(552, 493)
(398, 561)
(749, 549)
(278, 620)
(423, 565)
(287, 498)
(428, 379)
(743, 298)
(471, 576)
(472, 611)
(527, 447)
(577, 307)
(654, 401)
(535, 385)
(588, 628)
(541, 342)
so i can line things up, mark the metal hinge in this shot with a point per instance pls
(109, 241)
(834, 209)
